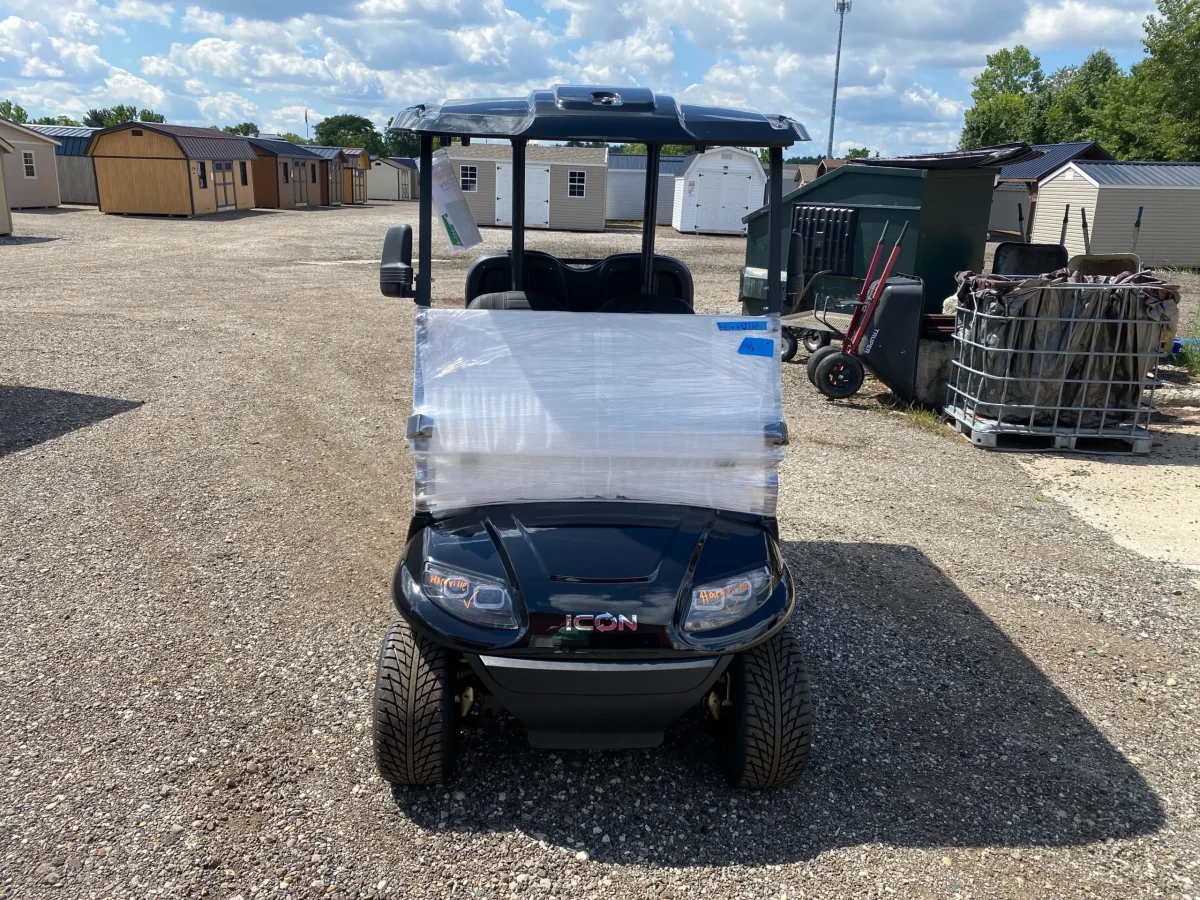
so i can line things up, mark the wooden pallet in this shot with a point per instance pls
(1015, 439)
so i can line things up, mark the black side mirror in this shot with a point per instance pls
(395, 268)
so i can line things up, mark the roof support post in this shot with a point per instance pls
(649, 217)
(518, 214)
(425, 236)
(775, 229)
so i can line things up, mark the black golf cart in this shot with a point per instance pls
(594, 546)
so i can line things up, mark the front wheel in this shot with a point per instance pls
(788, 345)
(814, 340)
(839, 375)
(414, 724)
(764, 739)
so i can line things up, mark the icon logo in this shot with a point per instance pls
(602, 622)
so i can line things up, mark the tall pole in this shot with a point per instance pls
(842, 7)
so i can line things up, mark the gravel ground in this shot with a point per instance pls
(205, 488)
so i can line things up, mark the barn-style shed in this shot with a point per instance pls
(392, 178)
(76, 173)
(330, 179)
(565, 187)
(5, 216)
(147, 168)
(30, 174)
(1111, 193)
(627, 185)
(282, 174)
(716, 189)
(358, 163)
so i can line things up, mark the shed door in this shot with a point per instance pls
(336, 184)
(223, 185)
(299, 182)
(537, 195)
(405, 190)
(722, 198)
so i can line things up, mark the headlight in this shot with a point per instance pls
(721, 603)
(464, 596)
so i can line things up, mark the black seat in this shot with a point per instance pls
(515, 300)
(1017, 258)
(642, 303)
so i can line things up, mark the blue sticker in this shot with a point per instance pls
(757, 347)
(743, 325)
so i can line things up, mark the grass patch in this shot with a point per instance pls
(1189, 358)
(917, 416)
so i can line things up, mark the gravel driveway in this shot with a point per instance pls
(204, 488)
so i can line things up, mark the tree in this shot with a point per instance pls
(149, 115)
(1068, 107)
(348, 130)
(1015, 71)
(998, 120)
(96, 118)
(13, 112)
(858, 153)
(56, 120)
(1006, 93)
(249, 129)
(119, 115)
(293, 138)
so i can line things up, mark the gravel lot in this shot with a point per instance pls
(205, 488)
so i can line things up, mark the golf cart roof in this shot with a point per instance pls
(590, 113)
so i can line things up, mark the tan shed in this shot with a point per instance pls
(5, 216)
(30, 172)
(147, 168)
(284, 174)
(1111, 194)
(565, 187)
(358, 163)
(392, 178)
(331, 178)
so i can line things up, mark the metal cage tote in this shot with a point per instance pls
(1063, 357)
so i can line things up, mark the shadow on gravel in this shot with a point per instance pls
(932, 730)
(19, 239)
(30, 415)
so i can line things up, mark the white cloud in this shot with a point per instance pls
(1073, 22)
(211, 56)
(80, 57)
(37, 68)
(161, 67)
(227, 105)
(125, 86)
(143, 11)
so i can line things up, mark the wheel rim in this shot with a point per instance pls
(840, 375)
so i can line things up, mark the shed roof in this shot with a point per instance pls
(26, 129)
(407, 161)
(667, 165)
(328, 152)
(1138, 174)
(282, 148)
(805, 173)
(1053, 158)
(580, 156)
(6, 147)
(72, 139)
(196, 143)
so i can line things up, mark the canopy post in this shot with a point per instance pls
(425, 214)
(775, 226)
(649, 218)
(518, 214)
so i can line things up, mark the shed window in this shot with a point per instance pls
(137, 132)
(202, 176)
(577, 184)
(314, 173)
(245, 179)
(468, 179)
(27, 159)
(285, 172)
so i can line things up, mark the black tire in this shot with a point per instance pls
(814, 340)
(788, 345)
(414, 709)
(816, 358)
(839, 375)
(765, 737)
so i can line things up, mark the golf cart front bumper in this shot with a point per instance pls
(597, 705)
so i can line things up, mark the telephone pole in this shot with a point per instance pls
(841, 8)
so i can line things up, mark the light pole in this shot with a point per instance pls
(841, 8)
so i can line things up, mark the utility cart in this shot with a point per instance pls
(594, 545)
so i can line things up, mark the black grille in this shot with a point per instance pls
(828, 233)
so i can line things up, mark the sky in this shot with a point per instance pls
(906, 70)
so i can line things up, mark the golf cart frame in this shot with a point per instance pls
(495, 593)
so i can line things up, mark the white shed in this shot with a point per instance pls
(1111, 193)
(716, 190)
(392, 178)
(627, 186)
(30, 172)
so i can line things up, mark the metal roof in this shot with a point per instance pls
(196, 143)
(578, 112)
(282, 148)
(1141, 174)
(975, 158)
(407, 161)
(580, 156)
(667, 165)
(72, 139)
(327, 152)
(29, 130)
(1054, 157)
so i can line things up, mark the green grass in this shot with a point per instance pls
(1189, 358)
(918, 416)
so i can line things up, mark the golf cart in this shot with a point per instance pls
(594, 545)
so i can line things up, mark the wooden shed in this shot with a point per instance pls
(392, 178)
(565, 187)
(330, 174)
(284, 174)
(147, 168)
(5, 216)
(30, 174)
(358, 163)
(76, 171)
(1111, 193)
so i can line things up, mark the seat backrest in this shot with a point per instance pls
(1017, 258)
(515, 300)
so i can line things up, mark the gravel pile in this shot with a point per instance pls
(205, 488)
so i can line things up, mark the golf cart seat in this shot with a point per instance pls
(515, 300)
(577, 287)
(640, 303)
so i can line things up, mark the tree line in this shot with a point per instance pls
(1151, 112)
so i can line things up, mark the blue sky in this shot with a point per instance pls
(906, 65)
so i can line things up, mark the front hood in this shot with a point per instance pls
(630, 564)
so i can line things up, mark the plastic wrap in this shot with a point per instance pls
(513, 405)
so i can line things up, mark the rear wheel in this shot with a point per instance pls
(839, 375)
(765, 735)
(788, 345)
(814, 340)
(816, 357)
(414, 709)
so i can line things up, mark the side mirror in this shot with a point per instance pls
(395, 268)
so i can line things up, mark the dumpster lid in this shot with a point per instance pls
(977, 158)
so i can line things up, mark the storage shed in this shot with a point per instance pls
(283, 173)
(627, 186)
(358, 163)
(716, 190)
(565, 187)
(147, 168)
(30, 174)
(330, 177)
(6, 226)
(1112, 193)
(1018, 183)
(76, 172)
(392, 178)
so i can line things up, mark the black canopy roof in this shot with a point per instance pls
(578, 112)
(979, 157)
